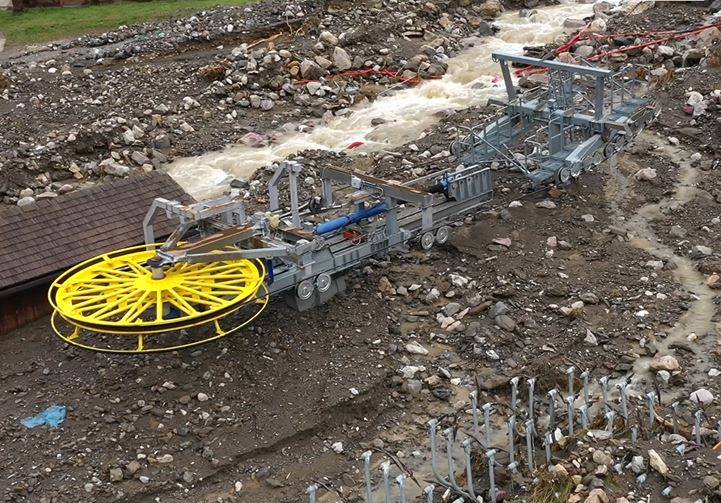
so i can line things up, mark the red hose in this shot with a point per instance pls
(665, 37)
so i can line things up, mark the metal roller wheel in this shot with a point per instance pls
(442, 235)
(305, 289)
(563, 175)
(427, 240)
(323, 282)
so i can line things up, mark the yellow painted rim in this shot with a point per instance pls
(81, 337)
(116, 293)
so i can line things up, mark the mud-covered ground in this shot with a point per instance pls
(616, 273)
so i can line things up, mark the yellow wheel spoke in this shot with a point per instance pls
(136, 309)
(181, 303)
(98, 299)
(216, 300)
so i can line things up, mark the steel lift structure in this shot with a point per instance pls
(215, 273)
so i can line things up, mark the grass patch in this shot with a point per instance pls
(552, 490)
(40, 25)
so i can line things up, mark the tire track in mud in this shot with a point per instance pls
(698, 318)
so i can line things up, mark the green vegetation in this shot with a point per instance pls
(36, 26)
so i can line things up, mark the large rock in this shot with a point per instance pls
(665, 362)
(341, 60)
(490, 8)
(310, 70)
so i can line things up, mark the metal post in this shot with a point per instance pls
(401, 481)
(366, 456)
(448, 432)
(571, 414)
(433, 426)
(491, 455)
(624, 406)
(529, 444)
(570, 373)
(510, 90)
(604, 390)
(474, 409)
(584, 417)
(469, 469)
(531, 385)
(429, 493)
(674, 416)
(552, 409)
(547, 445)
(311, 492)
(586, 394)
(487, 422)
(511, 434)
(651, 417)
(610, 416)
(386, 467)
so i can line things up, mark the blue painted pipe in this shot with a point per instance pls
(339, 223)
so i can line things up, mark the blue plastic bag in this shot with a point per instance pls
(52, 416)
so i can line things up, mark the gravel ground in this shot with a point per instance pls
(613, 274)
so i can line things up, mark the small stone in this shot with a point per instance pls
(505, 322)
(133, 467)
(341, 60)
(165, 459)
(590, 338)
(498, 309)
(116, 475)
(597, 495)
(638, 465)
(645, 174)
(337, 447)
(657, 462)
(702, 396)
(601, 458)
(547, 204)
(677, 231)
(416, 349)
(202, 397)
(24, 201)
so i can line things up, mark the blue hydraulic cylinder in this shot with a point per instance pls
(340, 222)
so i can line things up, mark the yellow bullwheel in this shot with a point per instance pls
(148, 308)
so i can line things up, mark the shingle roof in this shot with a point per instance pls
(54, 234)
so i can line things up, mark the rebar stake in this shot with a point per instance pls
(552, 409)
(622, 387)
(429, 493)
(674, 416)
(487, 423)
(511, 434)
(366, 456)
(491, 455)
(698, 415)
(547, 445)
(531, 385)
(586, 394)
(604, 390)
(651, 412)
(386, 468)
(311, 492)
(401, 481)
(571, 414)
(570, 371)
(610, 416)
(529, 444)
(474, 408)
(469, 469)
(584, 417)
